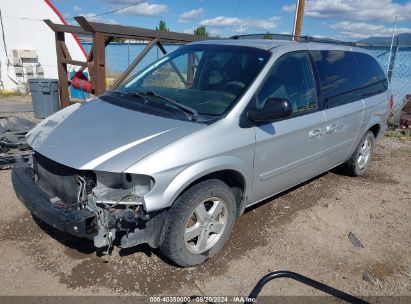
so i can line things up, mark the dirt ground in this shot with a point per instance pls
(304, 230)
(15, 99)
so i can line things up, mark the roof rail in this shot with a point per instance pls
(272, 36)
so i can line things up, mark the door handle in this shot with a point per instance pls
(331, 128)
(315, 133)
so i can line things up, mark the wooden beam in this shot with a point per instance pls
(75, 62)
(65, 50)
(65, 28)
(84, 24)
(62, 71)
(133, 65)
(136, 32)
(99, 63)
(164, 51)
(190, 68)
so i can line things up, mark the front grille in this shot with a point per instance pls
(58, 180)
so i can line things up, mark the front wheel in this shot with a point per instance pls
(360, 160)
(199, 223)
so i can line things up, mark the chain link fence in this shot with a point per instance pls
(400, 63)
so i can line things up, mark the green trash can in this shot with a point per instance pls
(44, 96)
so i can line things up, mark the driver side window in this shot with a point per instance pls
(291, 78)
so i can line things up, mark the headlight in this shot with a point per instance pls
(122, 188)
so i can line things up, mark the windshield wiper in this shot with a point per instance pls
(132, 93)
(193, 112)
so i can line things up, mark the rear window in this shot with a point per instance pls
(373, 78)
(338, 75)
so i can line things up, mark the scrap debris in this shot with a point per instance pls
(355, 241)
(13, 144)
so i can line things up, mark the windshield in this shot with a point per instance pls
(205, 79)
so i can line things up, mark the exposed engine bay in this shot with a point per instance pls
(115, 200)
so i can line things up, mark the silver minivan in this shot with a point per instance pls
(184, 146)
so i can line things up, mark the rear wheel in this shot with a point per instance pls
(360, 160)
(199, 223)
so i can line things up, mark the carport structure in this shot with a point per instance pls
(102, 35)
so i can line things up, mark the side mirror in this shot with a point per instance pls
(274, 109)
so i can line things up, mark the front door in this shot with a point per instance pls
(289, 151)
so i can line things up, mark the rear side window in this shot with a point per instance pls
(291, 78)
(338, 75)
(372, 76)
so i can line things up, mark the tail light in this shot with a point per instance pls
(391, 102)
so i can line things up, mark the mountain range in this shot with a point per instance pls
(401, 39)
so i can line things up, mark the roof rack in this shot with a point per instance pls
(274, 36)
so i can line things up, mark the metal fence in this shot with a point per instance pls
(400, 62)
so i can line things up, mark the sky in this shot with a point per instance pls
(349, 20)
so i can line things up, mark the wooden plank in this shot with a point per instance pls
(91, 55)
(75, 62)
(135, 62)
(164, 51)
(190, 68)
(62, 72)
(99, 62)
(66, 28)
(136, 32)
(84, 24)
(65, 49)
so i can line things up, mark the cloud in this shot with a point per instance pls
(77, 8)
(186, 16)
(382, 10)
(91, 16)
(361, 30)
(289, 8)
(227, 22)
(145, 9)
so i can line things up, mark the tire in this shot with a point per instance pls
(357, 164)
(187, 223)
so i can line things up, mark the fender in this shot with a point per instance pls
(375, 120)
(162, 197)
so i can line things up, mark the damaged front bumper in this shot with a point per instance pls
(80, 223)
(101, 223)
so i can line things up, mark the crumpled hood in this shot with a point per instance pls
(104, 137)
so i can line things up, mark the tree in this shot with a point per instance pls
(201, 31)
(268, 36)
(162, 26)
(118, 39)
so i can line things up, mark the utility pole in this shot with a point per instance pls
(298, 19)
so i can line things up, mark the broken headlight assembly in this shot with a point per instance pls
(119, 204)
(121, 188)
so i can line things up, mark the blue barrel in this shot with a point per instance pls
(44, 96)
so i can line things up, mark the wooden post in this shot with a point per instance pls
(103, 35)
(190, 68)
(62, 71)
(298, 20)
(99, 66)
(163, 50)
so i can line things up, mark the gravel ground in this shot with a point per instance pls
(304, 230)
(15, 99)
